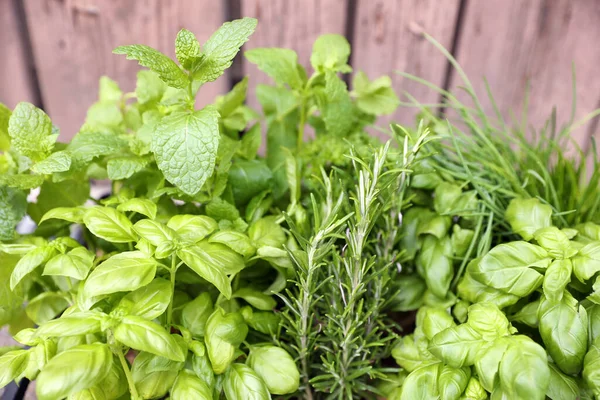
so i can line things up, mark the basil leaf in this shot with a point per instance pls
(71, 214)
(488, 321)
(422, 383)
(188, 386)
(141, 334)
(435, 321)
(561, 386)
(75, 264)
(457, 346)
(192, 228)
(45, 307)
(587, 262)
(249, 178)
(558, 276)
(149, 301)
(122, 272)
(154, 232)
(508, 267)
(527, 216)
(150, 382)
(236, 241)
(256, 299)
(141, 206)
(563, 327)
(195, 314)
(436, 264)
(75, 324)
(224, 332)
(30, 262)
(241, 382)
(555, 242)
(12, 365)
(74, 370)
(532, 377)
(475, 291)
(452, 382)
(109, 224)
(276, 368)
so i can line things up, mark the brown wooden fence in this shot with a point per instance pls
(52, 52)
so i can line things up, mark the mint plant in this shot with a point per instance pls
(185, 290)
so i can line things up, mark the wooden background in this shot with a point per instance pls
(52, 52)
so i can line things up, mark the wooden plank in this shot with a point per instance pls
(512, 42)
(15, 72)
(290, 24)
(389, 37)
(73, 40)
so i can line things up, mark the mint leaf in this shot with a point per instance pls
(376, 97)
(166, 68)
(149, 88)
(229, 102)
(13, 204)
(103, 115)
(185, 147)
(123, 167)
(330, 53)
(21, 181)
(187, 48)
(220, 49)
(109, 91)
(56, 162)
(279, 64)
(86, 146)
(339, 112)
(30, 130)
(4, 137)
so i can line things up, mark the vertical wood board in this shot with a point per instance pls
(16, 82)
(73, 42)
(389, 37)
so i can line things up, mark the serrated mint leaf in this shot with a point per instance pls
(86, 146)
(21, 181)
(376, 97)
(13, 205)
(339, 113)
(330, 53)
(109, 91)
(4, 137)
(56, 162)
(30, 130)
(123, 167)
(185, 147)
(104, 114)
(279, 64)
(187, 48)
(277, 102)
(149, 88)
(166, 68)
(220, 49)
(229, 102)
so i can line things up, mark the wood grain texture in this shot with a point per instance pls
(512, 42)
(290, 24)
(73, 40)
(389, 37)
(15, 71)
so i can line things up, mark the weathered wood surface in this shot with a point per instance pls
(290, 24)
(512, 42)
(388, 37)
(16, 83)
(73, 40)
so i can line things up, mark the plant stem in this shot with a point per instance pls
(132, 389)
(305, 323)
(300, 139)
(173, 273)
